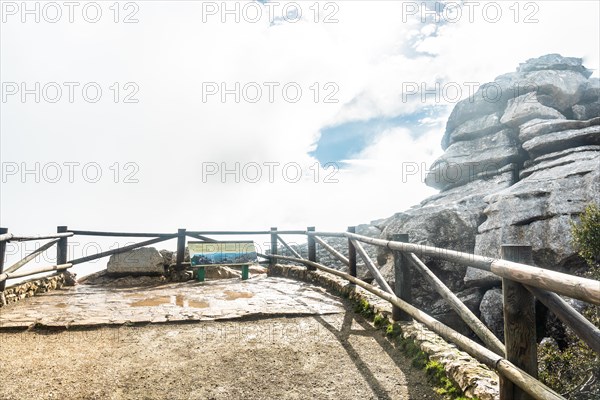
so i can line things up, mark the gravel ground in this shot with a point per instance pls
(337, 356)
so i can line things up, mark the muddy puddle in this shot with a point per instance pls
(177, 300)
(229, 295)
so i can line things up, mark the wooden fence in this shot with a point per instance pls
(515, 360)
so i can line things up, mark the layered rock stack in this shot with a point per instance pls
(521, 160)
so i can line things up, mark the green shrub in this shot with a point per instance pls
(437, 376)
(364, 308)
(393, 331)
(379, 320)
(586, 238)
(570, 370)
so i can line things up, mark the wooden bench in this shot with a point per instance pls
(223, 253)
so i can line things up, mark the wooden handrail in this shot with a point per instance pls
(200, 237)
(544, 284)
(11, 275)
(288, 232)
(519, 377)
(15, 238)
(118, 234)
(561, 283)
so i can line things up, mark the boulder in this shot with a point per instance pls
(591, 91)
(441, 311)
(167, 256)
(557, 89)
(589, 106)
(568, 156)
(463, 161)
(491, 311)
(558, 141)
(489, 98)
(586, 111)
(538, 127)
(554, 62)
(447, 220)
(70, 278)
(473, 129)
(527, 107)
(475, 277)
(538, 209)
(171, 256)
(142, 261)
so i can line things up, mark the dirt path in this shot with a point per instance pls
(338, 356)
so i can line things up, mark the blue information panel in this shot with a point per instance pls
(227, 253)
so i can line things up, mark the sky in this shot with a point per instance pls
(158, 115)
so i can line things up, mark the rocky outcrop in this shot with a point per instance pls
(538, 209)
(447, 220)
(521, 161)
(465, 161)
(141, 261)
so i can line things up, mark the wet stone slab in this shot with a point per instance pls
(87, 305)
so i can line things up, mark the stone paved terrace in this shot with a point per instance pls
(88, 305)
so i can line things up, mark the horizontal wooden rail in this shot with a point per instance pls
(561, 283)
(15, 238)
(519, 377)
(328, 234)
(122, 249)
(294, 232)
(11, 275)
(200, 237)
(118, 234)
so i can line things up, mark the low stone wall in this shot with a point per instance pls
(473, 378)
(30, 288)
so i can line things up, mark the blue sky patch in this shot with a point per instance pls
(345, 141)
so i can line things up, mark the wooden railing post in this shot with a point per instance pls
(61, 247)
(312, 248)
(180, 249)
(2, 255)
(402, 278)
(351, 253)
(519, 324)
(273, 245)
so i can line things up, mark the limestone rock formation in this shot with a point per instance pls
(522, 160)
